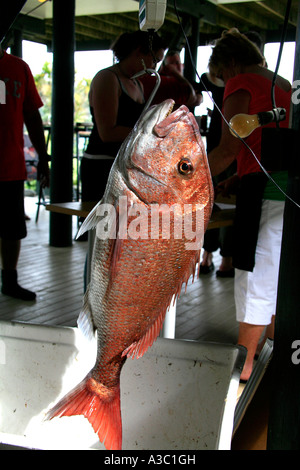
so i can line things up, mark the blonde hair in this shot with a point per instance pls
(233, 48)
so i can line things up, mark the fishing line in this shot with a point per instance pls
(218, 108)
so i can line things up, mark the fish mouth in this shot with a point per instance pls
(153, 126)
(163, 111)
(167, 118)
(170, 110)
(154, 116)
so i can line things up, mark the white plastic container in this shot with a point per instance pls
(179, 395)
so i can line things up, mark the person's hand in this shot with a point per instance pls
(228, 186)
(195, 99)
(43, 172)
(169, 69)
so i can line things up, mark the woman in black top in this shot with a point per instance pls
(116, 102)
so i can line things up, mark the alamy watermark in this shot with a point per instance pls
(2, 92)
(152, 222)
(296, 354)
(296, 93)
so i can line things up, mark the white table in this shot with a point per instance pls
(179, 395)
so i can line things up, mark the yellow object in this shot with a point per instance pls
(244, 124)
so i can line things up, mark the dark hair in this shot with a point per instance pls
(128, 42)
(233, 47)
(255, 38)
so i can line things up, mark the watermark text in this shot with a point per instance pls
(152, 222)
(296, 93)
(2, 92)
(296, 354)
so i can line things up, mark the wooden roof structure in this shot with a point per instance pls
(99, 22)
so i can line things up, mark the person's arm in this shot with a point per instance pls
(227, 150)
(192, 98)
(34, 124)
(104, 99)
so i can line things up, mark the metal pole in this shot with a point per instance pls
(284, 419)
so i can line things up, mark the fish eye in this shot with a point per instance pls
(185, 166)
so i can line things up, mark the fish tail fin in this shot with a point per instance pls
(99, 404)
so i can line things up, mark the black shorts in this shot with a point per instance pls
(12, 213)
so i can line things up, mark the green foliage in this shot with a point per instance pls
(43, 83)
(81, 104)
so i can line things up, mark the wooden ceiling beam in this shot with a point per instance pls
(97, 29)
(229, 21)
(277, 8)
(121, 21)
(244, 14)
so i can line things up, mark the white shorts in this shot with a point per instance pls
(256, 292)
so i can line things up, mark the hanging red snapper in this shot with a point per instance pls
(149, 230)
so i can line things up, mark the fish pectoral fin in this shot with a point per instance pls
(121, 234)
(90, 222)
(116, 254)
(85, 320)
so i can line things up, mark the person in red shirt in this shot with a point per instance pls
(260, 205)
(173, 83)
(22, 103)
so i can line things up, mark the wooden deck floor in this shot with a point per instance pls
(205, 312)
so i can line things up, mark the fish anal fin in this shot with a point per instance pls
(100, 405)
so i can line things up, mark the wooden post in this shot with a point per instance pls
(62, 126)
(189, 71)
(9, 12)
(16, 48)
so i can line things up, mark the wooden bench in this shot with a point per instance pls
(220, 218)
